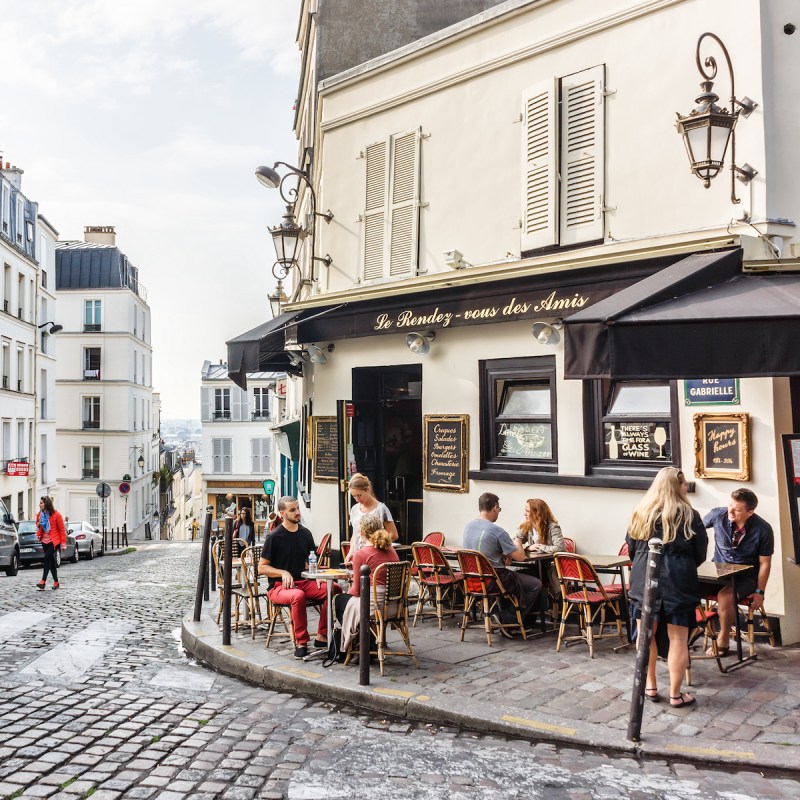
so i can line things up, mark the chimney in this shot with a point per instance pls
(100, 234)
(12, 174)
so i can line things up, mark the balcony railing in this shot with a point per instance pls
(91, 327)
(261, 415)
(221, 415)
(91, 374)
(90, 473)
(91, 424)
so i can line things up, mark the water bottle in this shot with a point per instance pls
(312, 562)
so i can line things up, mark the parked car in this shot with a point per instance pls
(9, 546)
(31, 550)
(89, 539)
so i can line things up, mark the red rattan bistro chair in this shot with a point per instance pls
(324, 552)
(569, 545)
(582, 592)
(614, 587)
(436, 538)
(344, 547)
(481, 583)
(436, 579)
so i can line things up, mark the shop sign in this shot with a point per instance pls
(280, 388)
(446, 452)
(637, 441)
(17, 468)
(712, 392)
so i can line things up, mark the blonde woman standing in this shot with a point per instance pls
(665, 513)
(366, 505)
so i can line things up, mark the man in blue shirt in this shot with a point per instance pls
(484, 535)
(740, 537)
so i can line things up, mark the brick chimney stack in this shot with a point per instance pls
(12, 174)
(100, 234)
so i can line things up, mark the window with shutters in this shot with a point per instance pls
(93, 511)
(391, 209)
(222, 403)
(260, 402)
(564, 161)
(259, 450)
(221, 455)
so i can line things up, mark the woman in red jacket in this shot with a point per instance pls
(52, 534)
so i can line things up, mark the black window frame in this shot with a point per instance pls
(520, 370)
(597, 394)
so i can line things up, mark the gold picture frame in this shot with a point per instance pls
(722, 446)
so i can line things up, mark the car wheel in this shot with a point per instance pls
(58, 557)
(76, 555)
(91, 551)
(13, 568)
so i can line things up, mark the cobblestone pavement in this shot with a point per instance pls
(98, 700)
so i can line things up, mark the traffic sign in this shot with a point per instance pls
(124, 487)
(127, 478)
(269, 487)
(103, 490)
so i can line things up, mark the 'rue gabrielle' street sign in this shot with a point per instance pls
(712, 392)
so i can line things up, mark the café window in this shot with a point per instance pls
(518, 414)
(635, 426)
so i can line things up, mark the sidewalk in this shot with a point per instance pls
(750, 717)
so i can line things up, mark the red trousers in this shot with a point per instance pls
(297, 598)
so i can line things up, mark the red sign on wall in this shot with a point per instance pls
(19, 468)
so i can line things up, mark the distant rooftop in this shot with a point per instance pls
(219, 372)
(91, 265)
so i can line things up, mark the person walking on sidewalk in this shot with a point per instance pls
(665, 513)
(284, 556)
(52, 534)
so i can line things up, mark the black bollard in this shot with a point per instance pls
(227, 573)
(643, 639)
(363, 629)
(202, 577)
(205, 547)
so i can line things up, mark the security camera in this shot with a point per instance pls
(454, 259)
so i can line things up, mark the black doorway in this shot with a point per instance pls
(387, 440)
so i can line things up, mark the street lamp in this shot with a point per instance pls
(707, 128)
(140, 449)
(287, 236)
(54, 328)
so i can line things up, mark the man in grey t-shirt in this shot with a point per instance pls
(485, 535)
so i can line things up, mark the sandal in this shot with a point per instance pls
(690, 702)
(653, 698)
(721, 652)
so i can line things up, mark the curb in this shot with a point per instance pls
(254, 663)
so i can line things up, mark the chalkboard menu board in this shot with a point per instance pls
(324, 449)
(637, 441)
(721, 445)
(446, 452)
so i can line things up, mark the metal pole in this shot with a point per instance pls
(643, 639)
(202, 576)
(363, 629)
(226, 583)
(206, 548)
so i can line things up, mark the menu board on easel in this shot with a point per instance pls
(324, 449)
(445, 452)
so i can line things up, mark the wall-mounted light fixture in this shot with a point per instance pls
(317, 354)
(287, 236)
(455, 259)
(547, 333)
(140, 450)
(420, 343)
(54, 328)
(707, 128)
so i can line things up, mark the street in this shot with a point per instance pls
(98, 699)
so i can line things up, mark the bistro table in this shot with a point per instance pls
(717, 575)
(329, 576)
(539, 560)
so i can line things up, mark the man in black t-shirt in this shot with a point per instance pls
(283, 559)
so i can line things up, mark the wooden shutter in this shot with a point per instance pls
(582, 156)
(226, 455)
(404, 204)
(255, 454)
(205, 403)
(540, 175)
(375, 210)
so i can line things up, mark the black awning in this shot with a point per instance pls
(259, 350)
(699, 318)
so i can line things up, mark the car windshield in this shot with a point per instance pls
(27, 527)
(73, 526)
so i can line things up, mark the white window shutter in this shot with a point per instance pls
(205, 403)
(236, 403)
(245, 397)
(404, 204)
(255, 454)
(227, 454)
(540, 174)
(377, 182)
(582, 156)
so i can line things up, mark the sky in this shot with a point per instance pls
(152, 116)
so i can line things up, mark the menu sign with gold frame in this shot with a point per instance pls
(445, 452)
(324, 449)
(722, 446)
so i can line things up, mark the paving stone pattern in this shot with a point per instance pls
(145, 722)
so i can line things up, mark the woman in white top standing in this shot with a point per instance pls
(366, 505)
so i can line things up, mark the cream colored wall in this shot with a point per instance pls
(472, 163)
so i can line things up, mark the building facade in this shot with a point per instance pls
(237, 441)
(23, 298)
(106, 416)
(492, 180)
